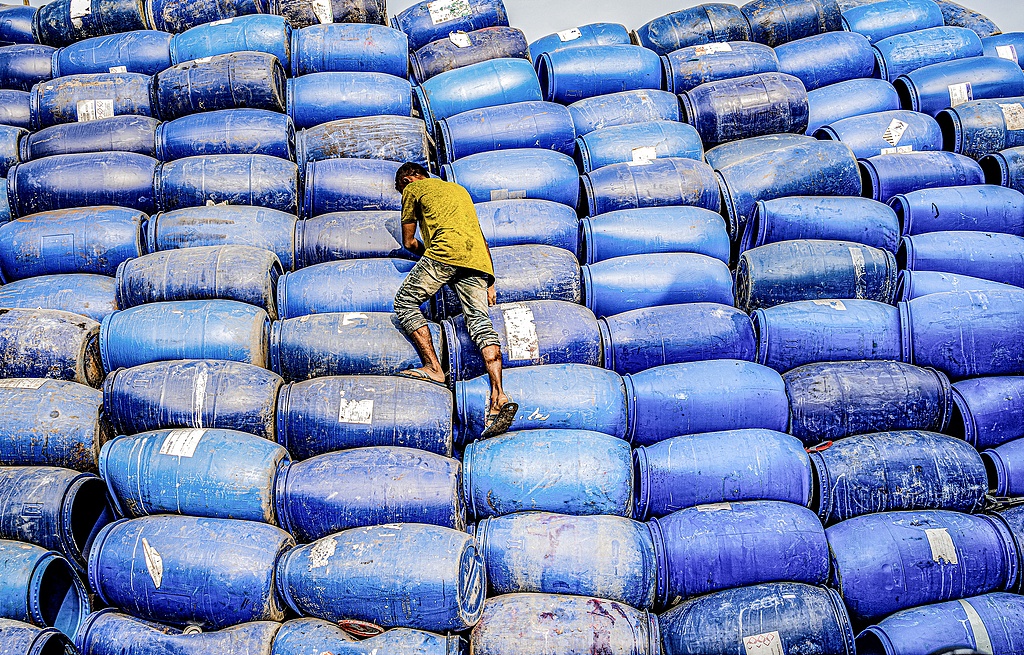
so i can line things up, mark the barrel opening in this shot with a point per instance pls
(902, 255)
(991, 472)
(994, 168)
(53, 644)
(904, 93)
(868, 183)
(903, 287)
(957, 423)
(92, 362)
(90, 511)
(544, 75)
(950, 133)
(868, 643)
(60, 601)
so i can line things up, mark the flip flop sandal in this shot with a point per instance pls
(416, 374)
(500, 423)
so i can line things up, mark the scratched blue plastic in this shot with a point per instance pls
(1005, 168)
(59, 23)
(979, 128)
(983, 208)
(573, 74)
(827, 58)
(337, 185)
(256, 33)
(117, 134)
(705, 23)
(659, 183)
(253, 80)
(15, 108)
(21, 637)
(256, 180)
(928, 89)
(39, 586)
(623, 108)
(988, 410)
(523, 221)
(22, 66)
(902, 53)
(307, 636)
(689, 67)
(109, 632)
(721, 156)
(86, 294)
(884, 19)
(354, 285)
(533, 173)
(179, 15)
(49, 343)
(886, 176)
(348, 236)
(140, 51)
(505, 127)
(846, 99)
(584, 35)
(16, 23)
(485, 44)
(915, 284)
(651, 230)
(859, 220)
(10, 142)
(394, 138)
(615, 145)
(776, 22)
(319, 98)
(423, 26)
(70, 99)
(986, 255)
(866, 135)
(82, 180)
(227, 132)
(344, 46)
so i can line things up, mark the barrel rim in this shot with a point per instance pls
(661, 562)
(821, 503)
(963, 408)
(75, 552)
(994, 166)
(467, 483)
(641, 484)
(906, 332)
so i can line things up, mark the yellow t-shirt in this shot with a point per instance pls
(448, 224)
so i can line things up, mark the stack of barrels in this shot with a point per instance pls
(760, 285)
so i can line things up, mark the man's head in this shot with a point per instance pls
(409, 173)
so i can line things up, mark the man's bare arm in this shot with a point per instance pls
(409, 240)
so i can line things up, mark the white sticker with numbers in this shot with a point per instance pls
(118, 69)
(94, 110)
(520, 333)
(323, 10)
(769, 643)
(1007, 52)
(181, 443)
(711, 48)
(33, 383)
(1013, 113)
(960, 93)
(442, 11)
(358, 412)
(507, 194)
(460, 39)
(898, 150)
(569, 35)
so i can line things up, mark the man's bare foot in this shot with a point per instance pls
(425, 374)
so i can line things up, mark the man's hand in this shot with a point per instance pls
(492, 296)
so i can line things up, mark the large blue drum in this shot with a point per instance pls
(115, 134)
(253, 80)
(348, 46)
(140, 51)
(462, 49)
(705, 23)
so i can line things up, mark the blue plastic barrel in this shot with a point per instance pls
(903, 53)
(10, 142)
(880, 20)
(578, 73)
(70, 413)
(846, 99)
(253, 80)
(356, 343)
(1004, 463)
(518, 125)
(256, 180)
(641, 339)
(425, 22)
(982, 208)
(319, 98)
(270, 229)
(585, 35)
(41, 587)
(16, 23)
(520, 173)
(349, 235)
(623, 108)
(108, 631)
(140, 51)
(989, 256)
(23, 65)
(360, 411)
(653, 230)
(652, 183)
(955, 14)
(64, 22)
(461, 49)
(90, 295)
(755, 105)
(394, 138)
(344, 46)
(353, 285)
(24, 638)
(915, 284)
(15, 108)
(487, 84)
(188, 329)
(885, 133)
(176, 16)
(81, 98)
(776, 22)
(135, 134)
(1005, 46)
(982, 127)
(828, 58)
(49, 343)
(419, 576)
(811, 331)
(885, 176)
(257, 33)
(379, 485)
(689, 67)
(1005, 168)
(575, 472)
(687, 471)
(548, 553)
(338, 185)
(303, 636)
(306, 13)
(706, 23)
(935, 87)
(82, 180)
(190, 571)
(227, 132)
(637, 142)
(987, 410)
(728, 153)
(521, 221)
(859, 220)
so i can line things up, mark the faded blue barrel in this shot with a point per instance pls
(822, 168)
(559, 396)
(989, 256)
(197, 472)
(915, 284)
(64, 22)
(425, 22)
(257, 33)
(41, 587)
(115, 134)
(708, 548)
(687, 471)
(637, 142)
(339, 185)
(935, 87)
(523, 221)
(81, 98)
(885, 133)
(241, 273)
(521, 173)
(10, 145)
(16, 23)
(49, 343)
(93, 296)
(256, 180)
(578, 73)
(903, 53)
(349, 236)
(358, 343)
(487, 84)
(776, 22)
(967, 333)
(1005, 168)
(623, 108)
(755, 105)
(192, 394)
(846, 99)
(5, 208)
(605, 556)
(989, 411)
(191, 571)
(983, 208)
(319, 98)
(379, 485)
(689, 67)
(585, 35)
(833, 400)
(253, 80)
(1005, 465)
(849, 56)
(728, 153)
(859, 220)
(788, 271)
(123, 179)
(306, 13)
(888, 471)
(70, 414)
(15, 108)
(505, 127)
(987, 621)
(420, 576)
(108, 631)
(938, 555)
(885, 176)
(140, 51)
(530, 333)
(22, 638)
(880, 20)
(575, 472)
(188, 329)
(22, 66)
(353, 285)
(359, 411)
(641, 339)
(1005, 46)
(393, 138)
(654, 183)
(355, 47)
(707, 23)
(961, 16)
(461, 49)
(88, 240)
(633, 282)
(305, 636)
(227, 132)
(782, 615)
(983, 127)
(653, 230)
(176, 16)
(701, 397)
(811, 331)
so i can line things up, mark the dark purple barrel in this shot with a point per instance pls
(885, 133)
(425, 21)
(775, 22)
(320, 98)
(915, 284)
(123, 179)
(846, 99)
(705, 23)
(879, 20)
(255, 180)
(227, 132)
(305, 13)
(63, 22)
(935, 87)
(624, 108)
(885, 176)
(985, 255)
(48, 343)
(15, 108)
(583, 35)
(16, 24)
(859, 220)
(904, 53)
(988, 411)
(22, 66)
(393, 138)
(252, 80)
(176, 16)
(81, 98)
(827, 58)
(140, 51)
(348, 46)
(653, 230)
(657, 183)
(728, 153)
(116, 134)
(352, 285)
(460, 49)
(533, 124)
(573, 74)
(79, 293)
(339, 185)
(982, 208)
(689, 67)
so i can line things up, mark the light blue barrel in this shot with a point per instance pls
(623, 108)
(777, 22)
(1005, 464)
(15, 108)
(39, 586)
(135, 134)
(506, 127)
(846, 99)
(256, 33)
(520, 173)
(711, 22)
(886, 176)
(727, 153)
(425, 22)
(525, 273)
(80, 98)
(689, 67)
(653, 230)
(574, 472)
(227, 132)
(304, 636)
(238, 80)
(656, 183)
(188, 329)
(306, 13)
(86, 294)
(176, 16)
(982, 208)
(880, 20)
(108, 631)
(323, 97)
(575, 37)
(885, 133)
(21, 637)
(255, 180)
(688, 471)
(579, 73)
(354, 285)
(50, 343)
(461, 49)
(1007, 45)
(16, 23)
(903, 53)
(349, 46)
(10, 146)
(140, 51)
(520, 221)
(987, 410)
(194, 472)
(632, 143)
(340, 185)
(935, 87)
(982, 127)
(915, 284)
(1005, 168)
(24, 65)
(985, 255)
(392, 138)
(828, 58)
(63, 22)
(860, 220)
(349, 236)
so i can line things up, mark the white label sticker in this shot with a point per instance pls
(359, 412)
(520, 333)
(321, 553)
(94, 110)
(324, 11)
(715, 507)
(711, 48)
(569, 35)
(506, 194)
(118, 69)
(943, 549)
(352, 318)
(960, 93)
(199, 395)
(834, 304)
(1013, 114)
(80, 8)
(769, 643)
(154, 563)
(460, 39)
(442, 11)
(202, 60)
(224, 21)
(898, 150)
(859, 272)
(181, 443)
(22, 384)
(895, 131)
(1007, 52)
(644, 154)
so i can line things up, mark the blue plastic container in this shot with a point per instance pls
(915, 284)
(64, 22)
(687, 471)
(705, 23)
(253, 80)
(487, 84)
(985, 255)
(933, 88)
(10, 141)
(49, 343)
(89, 295)
(1005, 168)
(880, 20)
(828, 58)
(638, 142)
(348, 46)
(319, 98)
(986, 411)
(982, 127)
(623, 108)
(15, 108)
(904, 53)
(506, 127)
(776, 22)
(23, 65)
(982, 208)
(179, 15)
(354, 285)
(349, 236)
(81, 98)
(140, 51)
(533, 173)
(425, 22)
(689, 67)
(461, 49)
(886, 176)
(885, 133)
(257, 33)
(305, 13)
(521, 221)
(653, 230)
(859, 220)
(303, 636)
(728, 153)
(82, 180)
(116, 134)
(21, 637)
(585, 35)
(579, 73)
(394, 138)
(1005, 46)
(742, 107)
(227, 132)
(39, 586)
(16, 24)
(847, 99)
(1003, 463)
(657, 183)
(107, 632)
(338, 185)
(256, 180)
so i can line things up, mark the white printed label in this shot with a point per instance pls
(154, 563)
(321, 553)
(715, 507)
(943, 549)
(711, 48)
(118, 69)
(324, 11)
(521, 333)
(359, 412)
(352, 318)
(769, 643)
(442, 11)
(898, 150)
(80, 8)
(834, 304)
(859, 272)
(181, 443)
(460, 39)
(960, 93)
(569, 35)
(22, 384)
(895, 131)
(506, 194)
(94, 110)
(1007, 52)
(1013, 114)
(202, 60)
(224, 21)
(644, 155)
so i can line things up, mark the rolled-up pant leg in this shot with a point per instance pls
(423, 282)
(472, 292)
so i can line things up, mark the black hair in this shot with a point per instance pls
(408, 169)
